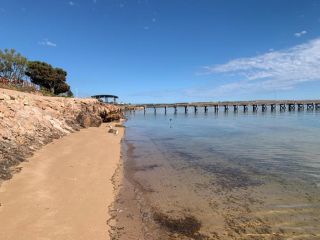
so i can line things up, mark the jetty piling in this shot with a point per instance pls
(264, 107)
(254, 108)
(245, 108)
(235, 108)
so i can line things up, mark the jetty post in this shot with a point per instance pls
(195, 109)
(235, 108)
(300, 107)
(254, 107)
(245, 108)
(310, 106)
(292, 107)
(264, 107)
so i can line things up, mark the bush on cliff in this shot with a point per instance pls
(48, 77)
(12, 65)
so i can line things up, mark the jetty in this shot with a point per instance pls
(264, 105)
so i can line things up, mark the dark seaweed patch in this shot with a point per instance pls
(185, 225)
(229, 177)
(147, 167)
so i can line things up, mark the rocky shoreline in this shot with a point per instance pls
(29, 121)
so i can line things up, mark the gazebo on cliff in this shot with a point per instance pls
(106, 98)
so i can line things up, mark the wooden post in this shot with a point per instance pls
(226, 108)
(175, 110)
(165, 109)
(282, 107)
(155, 110)
(264, 107)
(195, 109)
(235, 108)
(245, 108)
(216, 108)
(300, 107)
(291, 107)
(254, 108)
(205, 109)
(185, 109)
(310, 106)
(273, 107)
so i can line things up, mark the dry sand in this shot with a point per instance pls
(64, 190)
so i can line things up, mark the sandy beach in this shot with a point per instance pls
(64, 190)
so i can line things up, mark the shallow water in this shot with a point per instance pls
(220, 176)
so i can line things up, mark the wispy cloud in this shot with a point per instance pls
(71, 3)
(279, 70)
(300, 34)
(46, 42)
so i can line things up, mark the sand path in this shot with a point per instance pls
(64, 190)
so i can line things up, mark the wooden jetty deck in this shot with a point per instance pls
(282, 105)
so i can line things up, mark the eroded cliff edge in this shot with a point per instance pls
(29, 121)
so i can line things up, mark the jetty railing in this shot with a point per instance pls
(282, 105)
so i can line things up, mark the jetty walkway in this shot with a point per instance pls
(273, 105)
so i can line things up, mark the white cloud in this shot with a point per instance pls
(299, 34)
(277, 70)
(48, 43)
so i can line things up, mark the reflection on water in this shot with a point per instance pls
(223, 175)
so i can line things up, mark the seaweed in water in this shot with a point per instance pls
(146, 167)
(187, 225)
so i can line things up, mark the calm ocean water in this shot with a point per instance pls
(225, 175)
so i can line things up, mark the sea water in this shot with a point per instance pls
(221, 175)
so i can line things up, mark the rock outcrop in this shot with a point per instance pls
(29, 121)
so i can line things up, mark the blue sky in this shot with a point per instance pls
(173, 50)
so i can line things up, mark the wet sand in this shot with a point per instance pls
(64, 190)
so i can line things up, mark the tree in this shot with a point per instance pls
(46, 76)
(12, 64)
